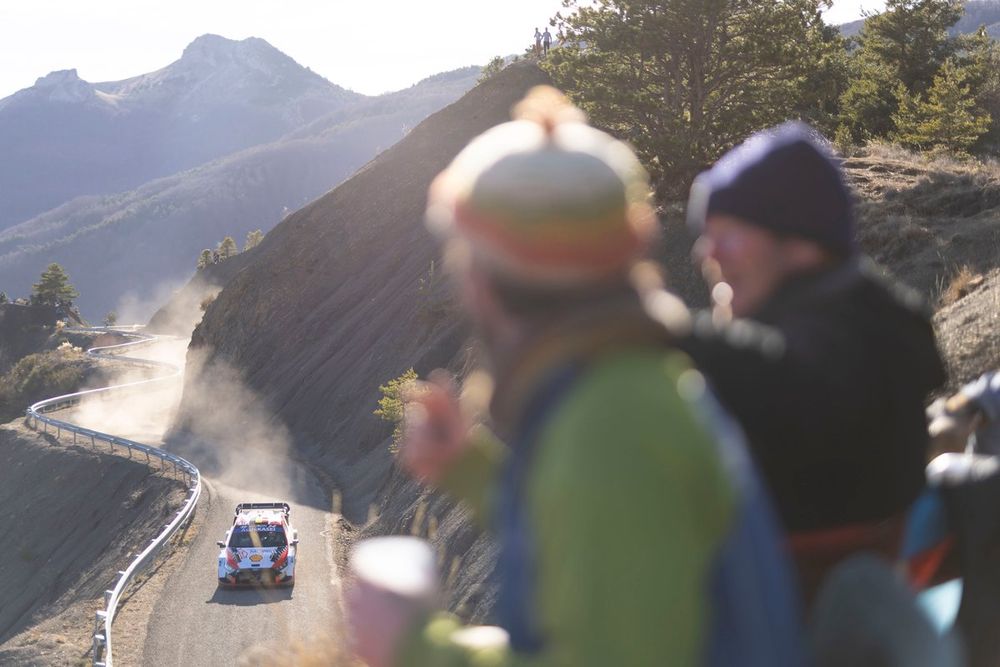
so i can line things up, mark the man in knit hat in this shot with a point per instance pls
(831, 391)
(630, 528)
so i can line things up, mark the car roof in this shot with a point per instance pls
(256, 516)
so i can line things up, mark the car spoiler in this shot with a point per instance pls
(263, 506)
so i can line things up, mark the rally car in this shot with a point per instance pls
(259, 549)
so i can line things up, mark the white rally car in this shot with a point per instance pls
(259, 549)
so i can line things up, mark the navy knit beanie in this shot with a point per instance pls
(784, 180)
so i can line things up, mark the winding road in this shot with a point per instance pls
(193, 622)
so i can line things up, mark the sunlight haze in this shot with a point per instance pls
(367, 47)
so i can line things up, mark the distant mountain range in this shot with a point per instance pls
(258, 136)
(65, 137)
(977, 13)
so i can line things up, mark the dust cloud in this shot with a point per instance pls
(133, 308)
(143, 412)
(225, 428)
(205, 413)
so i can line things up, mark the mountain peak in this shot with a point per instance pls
(64, 86)
(215, 48)
(58, 78)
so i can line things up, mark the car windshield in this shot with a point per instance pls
(257, 536)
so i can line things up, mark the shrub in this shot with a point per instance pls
(492, 68)
(391, 405)
(41, 375)
(960, 285)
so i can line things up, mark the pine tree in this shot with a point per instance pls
(947, 120)
(54, 288)
(979, 56)
(111, 319)
(904, 45)
(684, 80)
(4, 298)
(205, 258)
(228, 248)
(253, 239)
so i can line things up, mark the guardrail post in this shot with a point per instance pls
(99, 638)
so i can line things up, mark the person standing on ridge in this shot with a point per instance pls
(546, 41)
(831, 390)
(538, 43)
(630, 525)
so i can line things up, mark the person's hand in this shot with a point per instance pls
(984, 392)
(377, 621)
(951, 422)
(974, 409)
(435, 433)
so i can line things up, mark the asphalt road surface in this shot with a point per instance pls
(197, 623)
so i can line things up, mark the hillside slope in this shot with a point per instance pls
(969, 329)
(332, 306)
(130, 244)
(343, 297)
(69, 544)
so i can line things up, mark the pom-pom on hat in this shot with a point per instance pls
(785, 180)
(546, 199)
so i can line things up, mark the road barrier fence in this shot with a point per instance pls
(38, 417)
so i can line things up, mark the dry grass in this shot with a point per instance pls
(936, 161)
(960, 284)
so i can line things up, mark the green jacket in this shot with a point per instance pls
(628, 502)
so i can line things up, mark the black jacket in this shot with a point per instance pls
(832, 397)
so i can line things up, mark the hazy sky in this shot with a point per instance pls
(369, 47)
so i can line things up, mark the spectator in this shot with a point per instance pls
(630, 527)
(831, 391)
(546, 41)
(538, 43)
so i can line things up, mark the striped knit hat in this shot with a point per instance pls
(546, 199)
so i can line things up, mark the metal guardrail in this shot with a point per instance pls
(102, 654)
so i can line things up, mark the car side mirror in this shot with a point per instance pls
(222, 545)
(295, 542)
